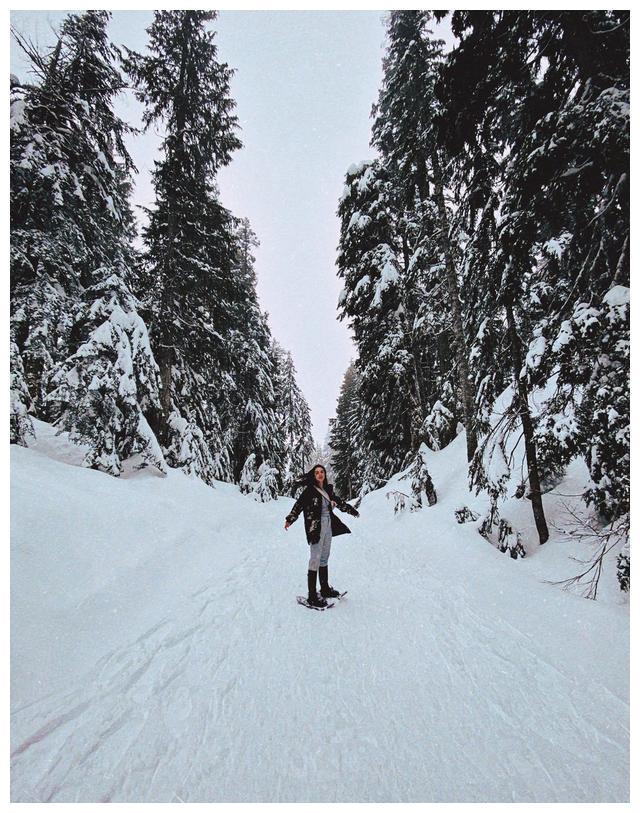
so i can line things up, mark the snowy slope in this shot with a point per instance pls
(158, 653)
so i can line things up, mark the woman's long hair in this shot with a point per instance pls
(308, 479)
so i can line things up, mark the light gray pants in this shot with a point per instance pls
(319, 553)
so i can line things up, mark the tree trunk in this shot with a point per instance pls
(527, 427)
(456, 311)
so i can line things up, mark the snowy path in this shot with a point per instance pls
(441, 677)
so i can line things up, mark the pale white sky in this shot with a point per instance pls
(304, 86)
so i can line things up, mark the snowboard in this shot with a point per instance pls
(305, 603)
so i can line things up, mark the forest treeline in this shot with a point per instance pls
(150, 344)
(485, 250)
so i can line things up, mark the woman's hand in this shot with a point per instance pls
(333, 503)
(286, 525)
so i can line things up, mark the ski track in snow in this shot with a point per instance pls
(438, 678)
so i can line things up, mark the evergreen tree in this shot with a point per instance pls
(256, 429)
(623, 570)
(552, 89)
(368, 261)
(83, 345)
(484, 320)
(593, 343)
(576, 182)
(104, 389)
(398, 261)
(506, 313)
(405, 132)
(293, 419)
(345, 436)
(248, 475)
(190, 248)
(439, 426)
(251, 402)
(422, 487)
(21, 426)
(266, 487)
(69, 170)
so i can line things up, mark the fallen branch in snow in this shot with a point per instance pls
(607, 538)
(400, 501)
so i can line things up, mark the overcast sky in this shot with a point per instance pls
(304, 86)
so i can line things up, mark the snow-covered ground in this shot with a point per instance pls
(158, 653)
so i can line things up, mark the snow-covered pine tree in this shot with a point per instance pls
(69, 167)
(21, 426)
(573, 172)
(277, 354)
(371, 299)
(293, 418)
(560, 116)
(36, 297)
(104, 389)
(345, 439)
(266, 487)
(500, 130)
(405, 131)
(571, 169)
(72, 236)
(623, 570)
(422, 487)
(484, 320)
(439, 426)
(474, 157)
(190, 249)
(252, 402)
(262, 482)
(256, 426)
(594, 343)
(108, 385)
(248, 475)
(322, 455)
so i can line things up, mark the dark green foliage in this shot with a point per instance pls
(69, 188)
(501, 185)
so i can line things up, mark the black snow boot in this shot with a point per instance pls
(326, 591)
(314, 599)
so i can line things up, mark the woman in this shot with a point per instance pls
(321, 524)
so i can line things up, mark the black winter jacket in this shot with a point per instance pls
(310, 502)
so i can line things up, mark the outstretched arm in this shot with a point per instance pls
(295, 511)
(343, 505)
